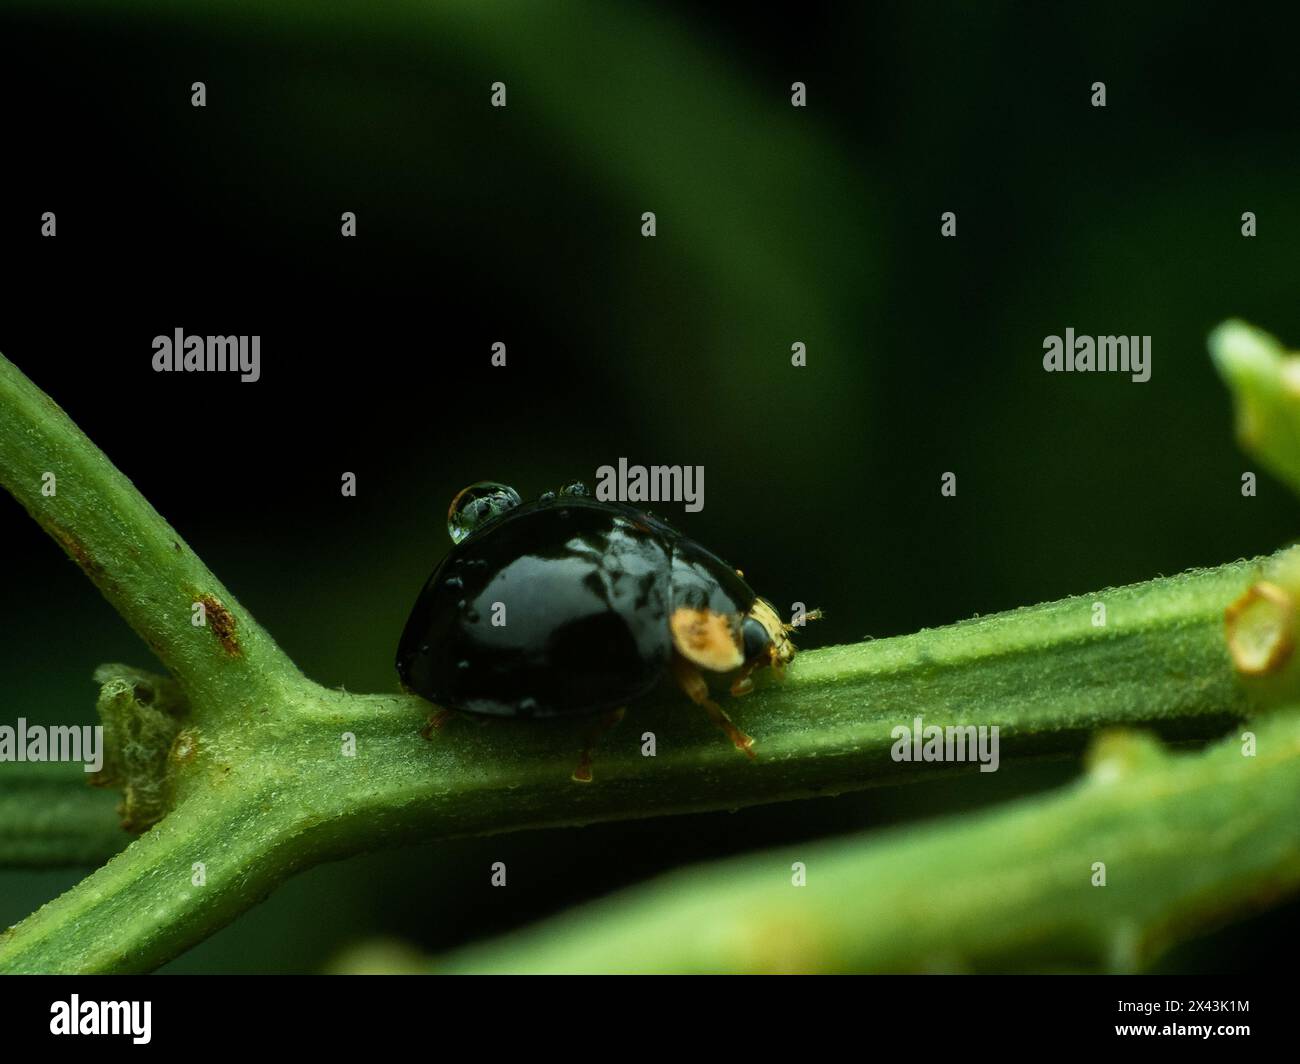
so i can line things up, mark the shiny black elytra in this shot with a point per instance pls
(569, 606)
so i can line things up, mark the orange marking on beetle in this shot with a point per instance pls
(707, 639)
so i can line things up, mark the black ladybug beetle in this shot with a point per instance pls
(569, 606)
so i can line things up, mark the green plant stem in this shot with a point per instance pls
(50, 818)
(139, 562)
(257, 802)
(263, 784)
(1185, 841)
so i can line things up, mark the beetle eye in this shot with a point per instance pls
(476, 505)
(756, 639)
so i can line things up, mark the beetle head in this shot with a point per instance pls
(767, 639)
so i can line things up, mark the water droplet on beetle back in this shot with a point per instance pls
(474, 506)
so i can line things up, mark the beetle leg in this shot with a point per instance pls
(743, 683)
(689, 679)
(582, 774)
(435, 722)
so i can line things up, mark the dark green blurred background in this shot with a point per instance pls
(775, 225)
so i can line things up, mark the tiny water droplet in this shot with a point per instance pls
(576, 488)
(546, 496)
(455, 583)
(462, 665)
(476, 505)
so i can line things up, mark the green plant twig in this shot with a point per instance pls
(262, 782)
(139, 562)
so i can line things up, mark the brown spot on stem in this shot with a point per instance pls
(77, 551)
(222, 623)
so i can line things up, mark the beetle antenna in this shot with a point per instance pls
(811, 615)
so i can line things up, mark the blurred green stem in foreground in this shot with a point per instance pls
(49, 817)
(1183, 842)
(260, 782)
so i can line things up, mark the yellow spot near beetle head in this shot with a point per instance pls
(707, 639)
